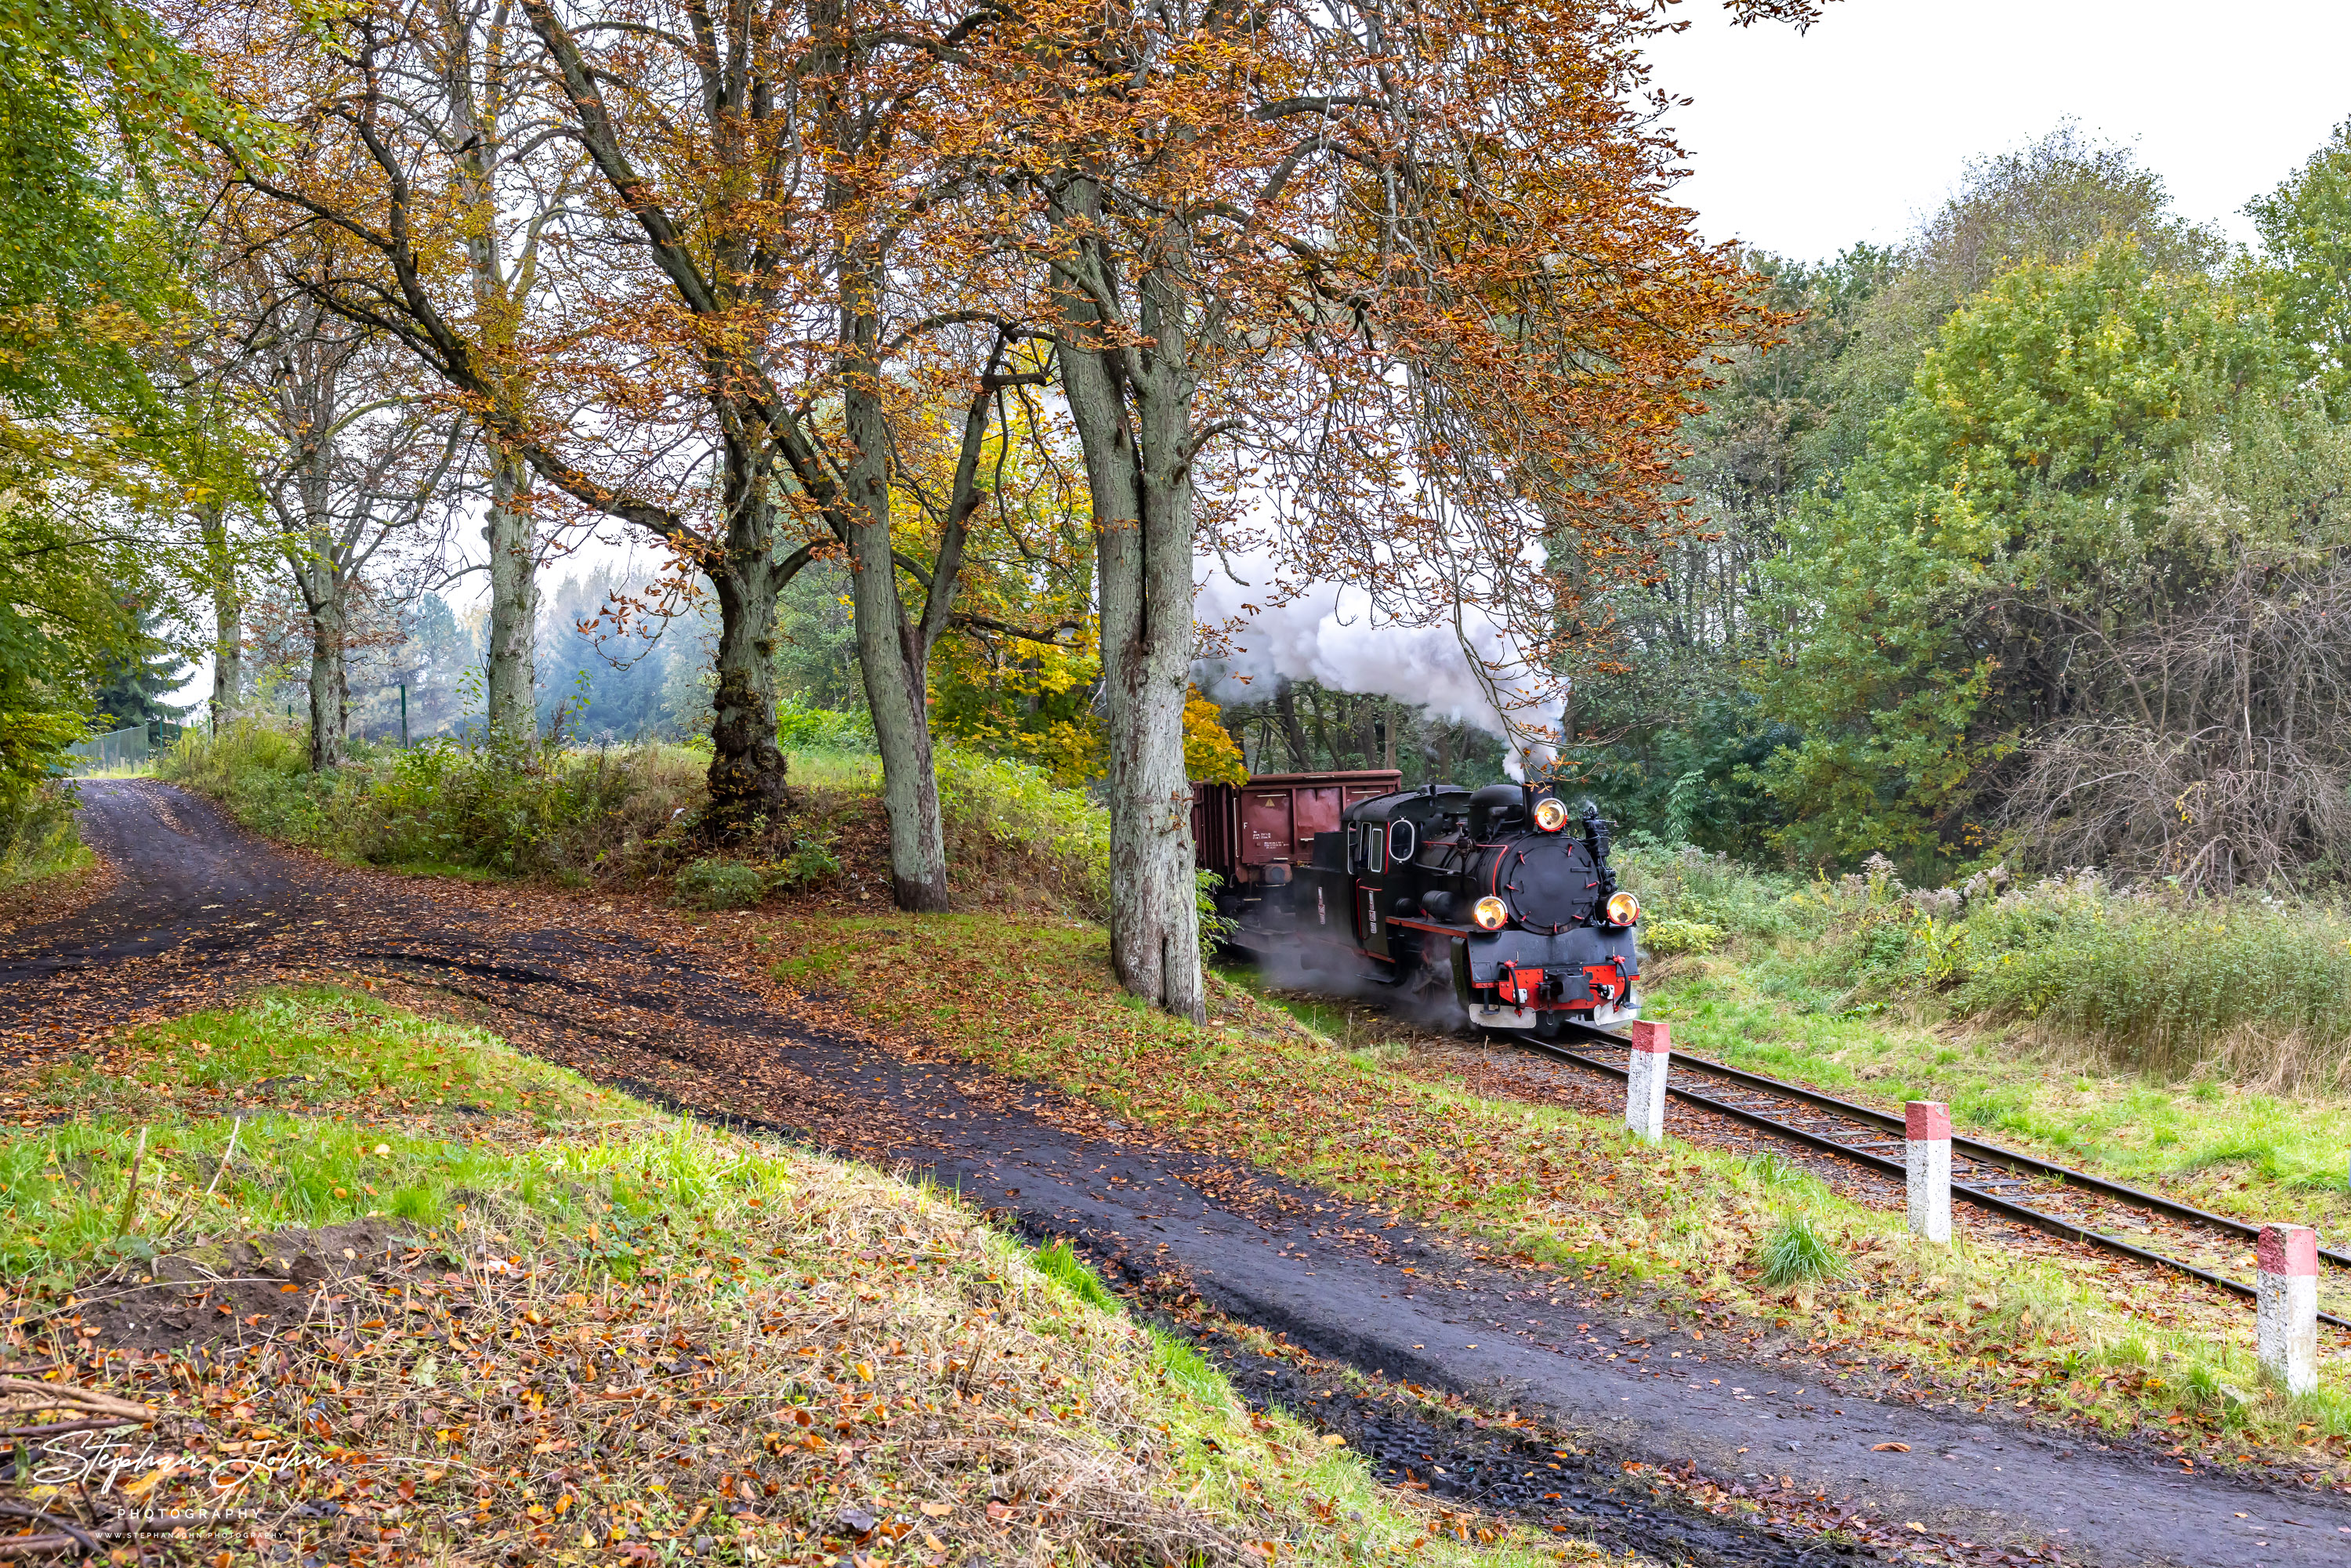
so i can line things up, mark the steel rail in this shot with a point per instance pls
(2039, 1219)
(1987, 1154)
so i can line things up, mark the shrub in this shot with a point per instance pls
(811, 862)
(1664, 934)
(997, 810)
(800, 728)
(36, 835)
(714, 882)
(494, 805)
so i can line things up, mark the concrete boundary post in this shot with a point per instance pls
(1644, 1081)
(2287, 1320)
(1926, 1157)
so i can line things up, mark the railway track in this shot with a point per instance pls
(2062, 1202)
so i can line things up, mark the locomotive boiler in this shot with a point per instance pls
(1497, 901)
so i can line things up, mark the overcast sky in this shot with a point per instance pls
(1803, 145)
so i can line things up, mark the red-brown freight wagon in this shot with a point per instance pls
(1257, 834)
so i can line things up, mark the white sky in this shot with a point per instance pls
(1803, 145)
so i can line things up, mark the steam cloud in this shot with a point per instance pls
(1340, 637)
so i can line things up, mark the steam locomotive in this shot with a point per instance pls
(1497, 901)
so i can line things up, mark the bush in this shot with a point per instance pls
(997, 810)
(36, 835)
(517, 809)
(714, 882)
(800, 728)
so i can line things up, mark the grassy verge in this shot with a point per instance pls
(2045, 1332)
(1864, 990)
(496, 1314)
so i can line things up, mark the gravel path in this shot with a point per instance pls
(1626, 1426)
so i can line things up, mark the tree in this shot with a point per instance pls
(1299, 253)
(359, 458)
(753, 271)
(2305, 266)
(137, 679)
(2017, 500)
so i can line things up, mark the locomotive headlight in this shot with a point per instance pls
(1489, 912)
(1551, 814)
(1623, 909)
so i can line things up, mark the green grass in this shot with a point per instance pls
(339, 1108)
(857, 1343)
(2258, 1155)
(2193, 1046)
(1796, 1253)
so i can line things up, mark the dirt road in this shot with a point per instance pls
(630, 996)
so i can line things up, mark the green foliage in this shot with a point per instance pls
(1796, 1253)
(2151, 979)
(1666, 934)
(2023, 480)
(1215, 929)
(716, 883)
(800, 728)
(64, 617)
(138, 678)
(1059, 1263)
(36, 836)
(491, 805)
(997, 808)
(2305, 266)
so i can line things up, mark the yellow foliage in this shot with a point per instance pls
(1209, 755)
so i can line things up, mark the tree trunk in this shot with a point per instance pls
(1293, 734)
(890, 648)
(513, 676)
(228, 614)
(747, 792)
(330, 693)
(1138, 469)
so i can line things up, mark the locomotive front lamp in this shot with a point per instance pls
(1623, 909)
(1550, 813)
(1489, 912)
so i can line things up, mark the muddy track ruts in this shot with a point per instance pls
(629, 998)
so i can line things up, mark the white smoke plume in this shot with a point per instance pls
(1450, 658)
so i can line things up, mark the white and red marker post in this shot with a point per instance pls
(2287, 1319)
(1645, 1079)
(1926, 1157)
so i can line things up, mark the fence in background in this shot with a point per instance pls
(117, 748)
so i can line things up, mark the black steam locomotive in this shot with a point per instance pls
(1498, 901)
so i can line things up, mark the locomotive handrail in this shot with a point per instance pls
(1990, 1153)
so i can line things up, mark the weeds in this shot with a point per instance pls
(508, 808)
(715, 882)
(1796, 1253)
(1059, 1262)
(36, 837)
